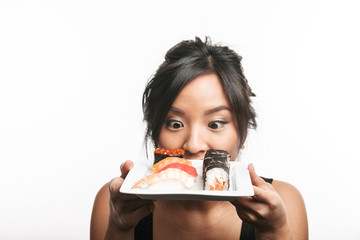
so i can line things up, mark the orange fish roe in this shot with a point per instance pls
(174, 151)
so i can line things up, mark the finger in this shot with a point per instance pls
(255, 179)
(248, 208)
(115, 184)
(114, 189)
(134, 204)
(143, 211)
(131, 205)
(244, 203)
(260, 195)
(129, 218)
(125, 167)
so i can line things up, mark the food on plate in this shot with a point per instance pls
(169, 160)
(177, 173)
(161, 153)
(216, 168)
(174, 174)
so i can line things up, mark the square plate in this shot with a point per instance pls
(240, 185)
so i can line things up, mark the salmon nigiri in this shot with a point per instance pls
(169, 160)
(172, 176)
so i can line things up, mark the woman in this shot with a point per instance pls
(199, 99)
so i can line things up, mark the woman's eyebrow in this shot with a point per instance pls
(207, 112)
(176, 110)
(217, 109)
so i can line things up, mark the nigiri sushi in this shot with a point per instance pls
(166, 161)
(172, 176)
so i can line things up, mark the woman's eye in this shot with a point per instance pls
(174, 124)
(216, 124)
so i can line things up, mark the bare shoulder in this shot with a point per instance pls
(295, 208)
(287, 190)
(100, 214)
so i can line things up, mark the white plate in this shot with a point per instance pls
(240, 185)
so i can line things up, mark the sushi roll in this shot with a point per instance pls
(216, 170)
(161, 153)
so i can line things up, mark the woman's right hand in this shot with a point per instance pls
(126, 210)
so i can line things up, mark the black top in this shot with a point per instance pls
(144, 229)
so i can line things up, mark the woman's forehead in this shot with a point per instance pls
(206, 89)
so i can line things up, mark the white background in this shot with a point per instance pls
(72, 75)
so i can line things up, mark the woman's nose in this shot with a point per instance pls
(195, 144)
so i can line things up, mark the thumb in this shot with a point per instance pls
(115, 184)
(255, 179)
(125, 167)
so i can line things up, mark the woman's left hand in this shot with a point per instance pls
(265, 210)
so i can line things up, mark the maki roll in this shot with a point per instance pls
(161, 153)
(216, 170)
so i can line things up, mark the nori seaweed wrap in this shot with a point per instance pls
(216, 170)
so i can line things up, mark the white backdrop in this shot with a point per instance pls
(71, 78)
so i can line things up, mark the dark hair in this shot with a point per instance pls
(183, 63)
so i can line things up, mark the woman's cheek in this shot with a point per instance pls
(169, 139)
(228, 141)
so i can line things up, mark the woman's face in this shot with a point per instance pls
(201, 118)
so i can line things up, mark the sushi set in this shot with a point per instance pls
(171, 177)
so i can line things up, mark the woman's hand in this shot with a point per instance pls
(126, 210)
(265, 210)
